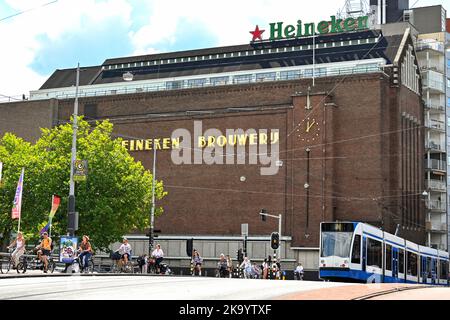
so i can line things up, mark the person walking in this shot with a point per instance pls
(197, 263)
(229, 266)
(298, 272)
(19, 244)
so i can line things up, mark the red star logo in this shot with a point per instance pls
(257, 33)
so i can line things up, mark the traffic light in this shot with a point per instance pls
(189, 247)
(240, 256)
(274, 240)
(263, 216)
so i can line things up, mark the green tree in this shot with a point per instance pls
(114, 200)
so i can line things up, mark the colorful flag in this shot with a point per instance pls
(17, 204)
(45, 229)
(56, 200)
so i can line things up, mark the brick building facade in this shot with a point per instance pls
(350, 146)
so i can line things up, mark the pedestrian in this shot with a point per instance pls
(197, 263)
(265, 269)
(229, 266)
(298, 272)
(19, 250)
(256, 271)
(222, 266)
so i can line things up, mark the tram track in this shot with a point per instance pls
(389, 291)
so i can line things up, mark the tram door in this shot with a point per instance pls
(394, 262)
(423, 269)
(364, 253)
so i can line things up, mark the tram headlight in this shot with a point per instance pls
(322, 261)
(346, 261)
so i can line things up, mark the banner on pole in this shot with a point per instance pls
(67, 249)
(56, 200)
(17, 204)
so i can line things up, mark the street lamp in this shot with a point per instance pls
(152, 212)
(73, 216)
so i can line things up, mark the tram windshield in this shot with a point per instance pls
(336, 239)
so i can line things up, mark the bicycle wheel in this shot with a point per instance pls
(51, 266)
(21, 267)
(90, 268)
(6, 266)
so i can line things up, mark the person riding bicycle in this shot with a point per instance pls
(222, 265)
(158, 255)
(298, 272)
(85, 250)
(197, 262)
(246, 265)
(44, 250)
(125, 251)
(19, 243)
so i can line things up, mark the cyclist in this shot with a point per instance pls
(246, 265)
(44, 250)
(85, 250)
(19, 243)
(125, 251)
(197, 262)
(158, 255)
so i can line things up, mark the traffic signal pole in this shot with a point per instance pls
(263, 213)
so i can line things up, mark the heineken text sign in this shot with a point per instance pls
(279, 30)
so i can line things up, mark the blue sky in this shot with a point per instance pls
(59, 35)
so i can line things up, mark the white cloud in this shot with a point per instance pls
(21, 35)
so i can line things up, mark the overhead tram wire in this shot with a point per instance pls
(28, 10)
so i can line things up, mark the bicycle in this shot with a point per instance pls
(5, 266)
(78, 265)
(32, 262)
(119, 266)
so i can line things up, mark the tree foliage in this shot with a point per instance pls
(113, 201)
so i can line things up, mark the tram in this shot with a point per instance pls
(359, 252)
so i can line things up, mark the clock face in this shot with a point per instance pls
(311, 130)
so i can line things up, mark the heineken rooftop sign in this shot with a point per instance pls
(279, 30)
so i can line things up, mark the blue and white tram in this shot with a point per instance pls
(359, 252)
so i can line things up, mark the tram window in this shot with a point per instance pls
(388, 257)
(411, 260)
(374, 253)
(356, 249)
(401, 261)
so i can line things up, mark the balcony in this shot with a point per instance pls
(430, 45)
(436, 125)
(436, 185)
(433, 106)
(434, 164)
(431, 226)
(433, 85)
(436, 205)
(433, 146)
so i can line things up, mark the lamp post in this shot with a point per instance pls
(73, 218)
(152, 212)
(264, 214)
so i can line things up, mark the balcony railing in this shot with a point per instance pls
(437, 46)
(435, 106)
(436, 205)
(433, 145)
(435, 124)
(436, 184)
(436, 164)
(433, 84)
(435, 226)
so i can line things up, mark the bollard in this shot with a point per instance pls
(181, 272)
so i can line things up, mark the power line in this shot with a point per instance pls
(28, 10)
